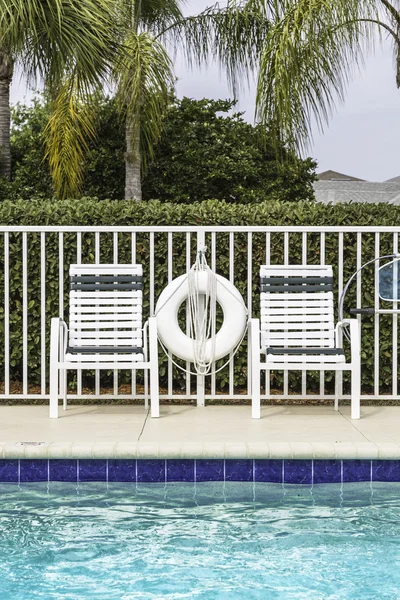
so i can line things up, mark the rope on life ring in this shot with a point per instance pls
(203, 346)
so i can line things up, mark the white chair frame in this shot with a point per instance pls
(287, 328)
(105, 330)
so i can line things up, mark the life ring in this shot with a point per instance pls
(180, 344)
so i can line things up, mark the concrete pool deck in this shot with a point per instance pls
(191, 432)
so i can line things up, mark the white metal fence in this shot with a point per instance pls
(34, 288)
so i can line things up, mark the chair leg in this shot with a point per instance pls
(355, 391)
(54, 349)
(153, 347)
(338, 387)
(249, 362)
(64, 388)
(255, 369)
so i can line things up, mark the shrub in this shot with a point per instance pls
(204, 153)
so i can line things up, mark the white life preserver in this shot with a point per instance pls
(180, 344)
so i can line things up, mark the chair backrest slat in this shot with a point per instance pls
(297, 306)
(106, 306)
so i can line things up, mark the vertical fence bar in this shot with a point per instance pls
(304, 261)
(376, 317)
(43, 312)
(339, 374)
(78, 262)
(395, 319)
(151, 274)
(249, 287)
(97, 261)
(133, 260)
(268, 248)
(151, 277)
(322, 259)
(214, 268)
(115, 261)
(62, 374)
(359, 278)
(188, 378)
(232, 280)
(6, 313)
(170, 266)
(286, 262)
(61, 274)
(200, 379)
(24, 314)
(250, 273)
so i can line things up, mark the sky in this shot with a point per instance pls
(362, 138)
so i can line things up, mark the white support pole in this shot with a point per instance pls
(254, 341)
(355, 368)
(153, 359)
(54, 353)
(200, 378)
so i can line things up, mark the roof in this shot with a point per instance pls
(335, 176)
(357, 191)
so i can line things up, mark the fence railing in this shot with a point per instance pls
(34, 288)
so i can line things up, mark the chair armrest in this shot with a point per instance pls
(153, 341)
(145, 343)
(354, 330)
(254, 331)
(59, 336)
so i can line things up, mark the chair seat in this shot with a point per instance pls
(119, 354)
(305, 355)
(104, 350)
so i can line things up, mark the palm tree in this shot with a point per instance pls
(49, 39)
(142, 74)
(311, 52)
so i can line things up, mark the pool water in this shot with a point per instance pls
(211, 541)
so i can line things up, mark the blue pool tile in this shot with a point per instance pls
(34, 470)
(180, 470)
(151, 471)
(238, 470)
(297, 471)
(327, 471)
(356, 470)
(210, 470)
(122, 470)
(269, 471)
(63, 470)
(9, 470)
(385, 470)
(92, 470)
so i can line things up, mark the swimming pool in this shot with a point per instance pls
(219, 540)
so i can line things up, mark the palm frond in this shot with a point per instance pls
(52, 37)
(232, 36)
(145, 81)
(71, 125)
(311, 52)
(156, 15)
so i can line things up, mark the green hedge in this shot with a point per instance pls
(88, 212)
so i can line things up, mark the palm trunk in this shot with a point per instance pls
(133, 168)
(6, 73)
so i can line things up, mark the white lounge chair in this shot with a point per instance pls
(296, 330)
(105, 329)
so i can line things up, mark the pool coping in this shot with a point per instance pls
(195, 450)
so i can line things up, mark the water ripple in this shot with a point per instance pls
(128, 542)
